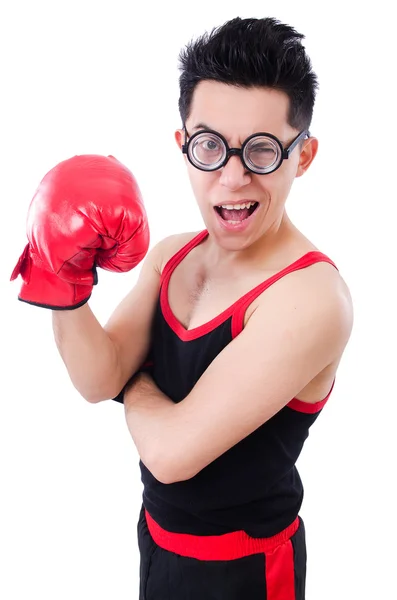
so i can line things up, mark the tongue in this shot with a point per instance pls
(234, 215)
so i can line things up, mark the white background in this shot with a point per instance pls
(101, 77)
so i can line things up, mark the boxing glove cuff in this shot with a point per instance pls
(44, 288)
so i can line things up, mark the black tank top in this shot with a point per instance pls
(254, 486)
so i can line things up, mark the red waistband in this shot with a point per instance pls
(217, 547)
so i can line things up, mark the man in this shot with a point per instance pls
(227, 348)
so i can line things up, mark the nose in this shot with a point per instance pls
(234, 174)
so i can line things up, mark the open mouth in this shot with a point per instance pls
(236, 213)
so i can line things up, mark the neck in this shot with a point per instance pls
(279, 235)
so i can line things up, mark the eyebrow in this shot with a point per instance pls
(202, 126)
(205, 126)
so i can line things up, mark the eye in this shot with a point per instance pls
(210, 145)
(262, 149)
(261, 153)
(207, 149)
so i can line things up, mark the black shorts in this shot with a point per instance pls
(233, 566)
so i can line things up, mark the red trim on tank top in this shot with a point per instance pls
(309, 408)
(184, 334)
(180, 255)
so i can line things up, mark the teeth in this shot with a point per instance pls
(238, 206)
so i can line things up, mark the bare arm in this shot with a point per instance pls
(89, 354)
(100, 360)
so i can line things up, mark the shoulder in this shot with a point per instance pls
(314, 301)
(322, 282)
(170, 245)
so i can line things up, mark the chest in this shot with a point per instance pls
(196, 296)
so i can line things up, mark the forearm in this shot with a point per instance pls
(88, 352)
(150, 416)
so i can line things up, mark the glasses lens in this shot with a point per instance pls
(207, 151)
(262, 154)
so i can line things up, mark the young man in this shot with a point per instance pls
(234, 333)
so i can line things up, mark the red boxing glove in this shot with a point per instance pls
(87, 212)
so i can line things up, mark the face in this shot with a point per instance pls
(237, 113)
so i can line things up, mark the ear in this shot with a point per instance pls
(179, 138)
(308, 152)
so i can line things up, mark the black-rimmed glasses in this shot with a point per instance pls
(261, 153)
